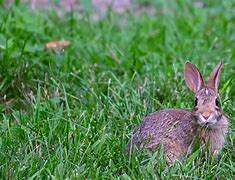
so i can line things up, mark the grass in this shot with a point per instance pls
(71, 114)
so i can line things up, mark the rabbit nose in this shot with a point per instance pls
(206, 115)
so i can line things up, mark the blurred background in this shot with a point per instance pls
(99, 7)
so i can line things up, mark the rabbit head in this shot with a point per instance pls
(207, 110)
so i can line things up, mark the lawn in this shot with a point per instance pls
(70, 114)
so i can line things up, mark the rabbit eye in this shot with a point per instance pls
(195, 102)
(217, 103)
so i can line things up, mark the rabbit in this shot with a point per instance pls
(177, 130)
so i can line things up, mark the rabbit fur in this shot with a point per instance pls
(178, 129)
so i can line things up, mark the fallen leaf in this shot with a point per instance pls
(57, 45)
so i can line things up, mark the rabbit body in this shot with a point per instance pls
(179, 130)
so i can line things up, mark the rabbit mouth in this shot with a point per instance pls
(212, 120)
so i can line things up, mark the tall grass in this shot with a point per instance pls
(71, 114)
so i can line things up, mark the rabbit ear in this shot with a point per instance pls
(213, 81)
(193, 77)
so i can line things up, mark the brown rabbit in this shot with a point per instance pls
(178, 129)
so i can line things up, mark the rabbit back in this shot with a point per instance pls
(173, 128)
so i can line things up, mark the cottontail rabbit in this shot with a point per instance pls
(177, 129)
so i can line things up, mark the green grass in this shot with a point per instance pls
(71, 114)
